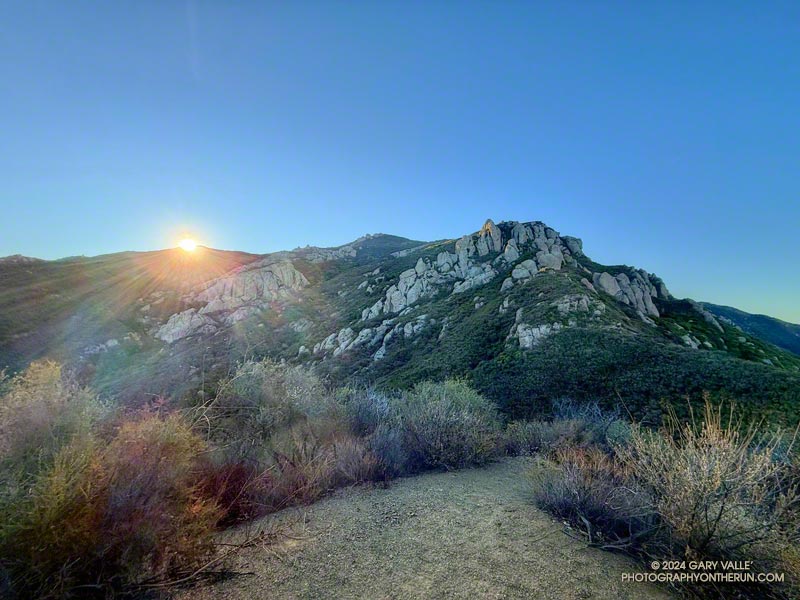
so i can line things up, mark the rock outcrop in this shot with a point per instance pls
(518, 252)
(254, 285)
(471, 265)
(570, 308)
(707, 316)
(637, 290)
(346, 339)
(184, 324)
(234, 297)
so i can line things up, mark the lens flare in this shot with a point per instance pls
(187, 244)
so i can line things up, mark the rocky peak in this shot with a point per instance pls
(490, 238)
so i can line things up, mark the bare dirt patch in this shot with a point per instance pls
(466, 534)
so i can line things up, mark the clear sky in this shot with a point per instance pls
(665, 134)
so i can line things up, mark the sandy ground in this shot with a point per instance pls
(467, 534)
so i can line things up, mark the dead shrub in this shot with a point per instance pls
(354, 462)
(303, 465)
(238, 488)
(595, 493)
(718, 489)
(705, 489)
(530, 437)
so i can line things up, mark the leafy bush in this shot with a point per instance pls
(98, 504)
(523, 438)
(388, 445)
(154, 513)
(435, 425)
(447, 425)
(260, 399)
(282, 438)
(365, 408)
(40, 411)
(573, 425)
(529, 437)
(617, 368)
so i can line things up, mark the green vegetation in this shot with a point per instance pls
(435, 425)
(101, 502)
(679, 318)
(644, 377)
(92, 504)
(105, 501)
(782, 334)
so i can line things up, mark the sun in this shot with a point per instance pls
(187, 244)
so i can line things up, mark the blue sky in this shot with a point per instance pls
(665, 134)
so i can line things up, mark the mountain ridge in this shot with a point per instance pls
(783, 334)
(494, 305)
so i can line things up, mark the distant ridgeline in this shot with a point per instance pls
(516, 308)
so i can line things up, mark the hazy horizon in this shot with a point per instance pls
(663, 136)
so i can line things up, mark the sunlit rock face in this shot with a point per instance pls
(235, 297)
(258, 283)
(184, 324)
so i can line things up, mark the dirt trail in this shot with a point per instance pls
(467, 534)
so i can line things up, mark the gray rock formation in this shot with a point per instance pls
(550, 259)
(183, 324)
(525, 270)
(256, 285)
(637, 291)
(511, 252)
(691, 341)
(465, 270)
(315, 254)
(530, 335)
(574, 244)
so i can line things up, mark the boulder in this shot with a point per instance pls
(257, 283)
(606, 283)
(511, 253)
(184, 324)
(575, 245)
(552, 259)
(530, 336)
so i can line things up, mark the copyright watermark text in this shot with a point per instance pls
(705, 571)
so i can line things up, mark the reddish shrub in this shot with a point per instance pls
(240, 490)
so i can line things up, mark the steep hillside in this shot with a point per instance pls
(780, 333)
(517, 308)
